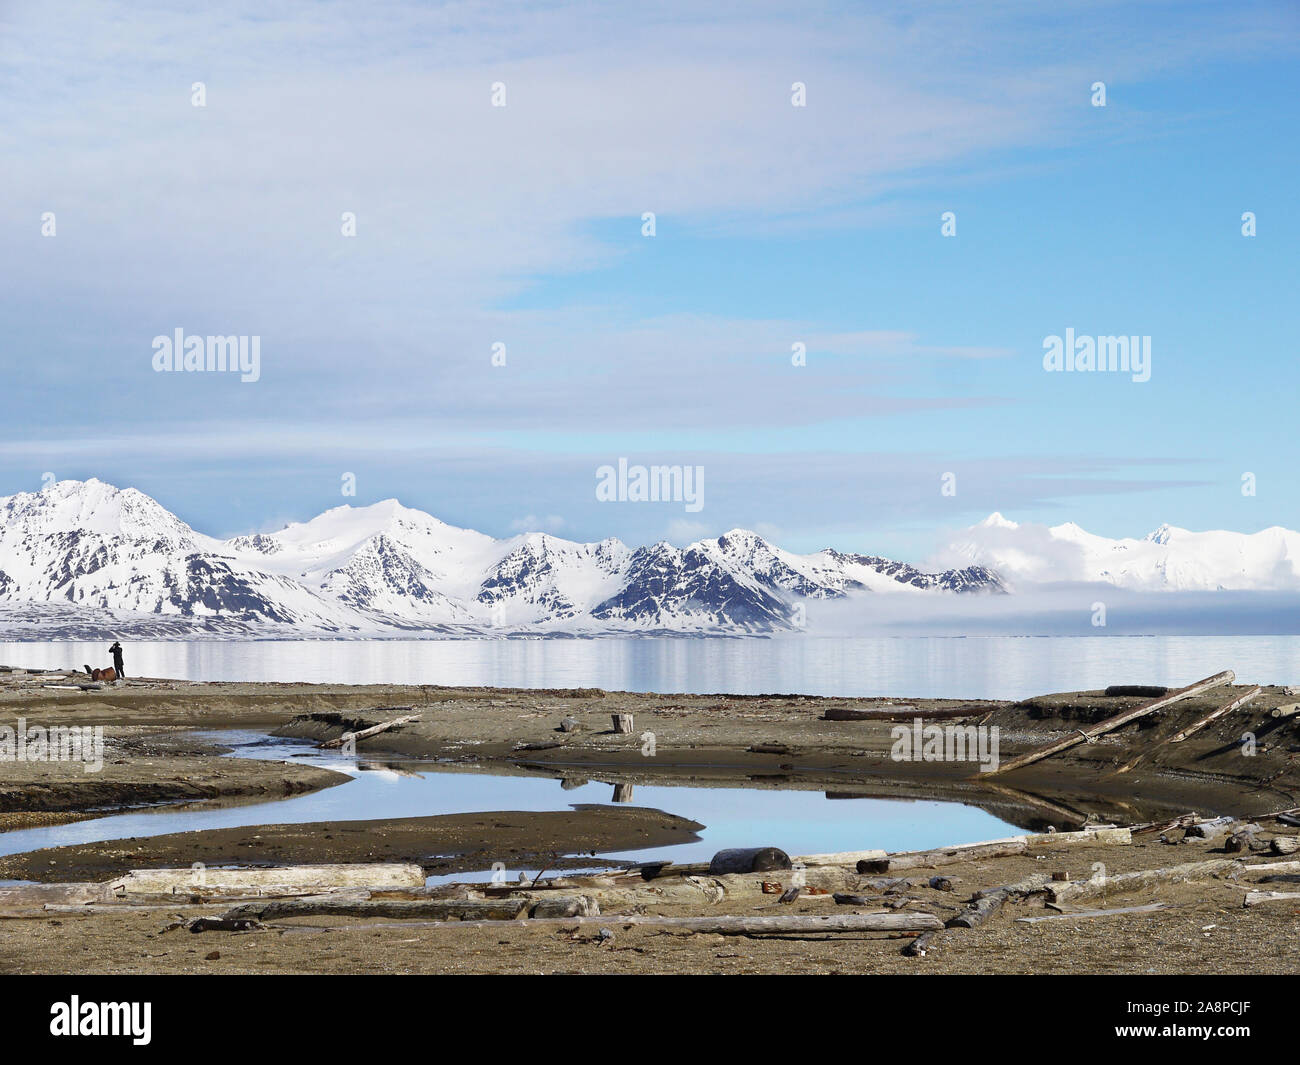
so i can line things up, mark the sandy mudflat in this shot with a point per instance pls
(761, 741)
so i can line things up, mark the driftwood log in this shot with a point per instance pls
(1087, 735)
(1254, 898)
(1214, 715)
(365, 733)
(308, 879)
(1086, 915)
(436, 909)
(996, 848)
(1121, 882)
(902, 713)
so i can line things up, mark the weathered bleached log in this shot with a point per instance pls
(748, 860)
(366, 733)
(437, 909)
(622, 723)
(302, 878)
(1288, 710)
(979, 911)
(794, 924)
(1273, 867)
(1030, 885)
(566, 906)
(1111, 723)
(1108, 834)
(944, 856)
(1121, 882)
(791, 924)
(1211, 829)
(844, 858)
(35, 896)
(1085, 915)
(1284, 845)
(1254, 898)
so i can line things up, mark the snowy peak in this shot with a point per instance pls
(92, 507)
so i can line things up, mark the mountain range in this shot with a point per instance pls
(86, 558)
(83, 559)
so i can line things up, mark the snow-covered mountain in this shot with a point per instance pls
(1168, 559)
(83, 556)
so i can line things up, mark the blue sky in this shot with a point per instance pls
(774, 225)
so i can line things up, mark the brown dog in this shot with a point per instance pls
(109, 674)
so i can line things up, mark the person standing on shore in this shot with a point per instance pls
(116, 652)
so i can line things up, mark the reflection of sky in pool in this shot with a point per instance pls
(799, 822)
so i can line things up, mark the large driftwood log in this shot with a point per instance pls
(1121, 882)
(943, 856)
(365, 733)
(993, 848)
(1273, 867)
(1086, 915)
(437, 909)
(1214, 715)
(1087, 735)
(311, 879)
(844, 858)
(902, 713)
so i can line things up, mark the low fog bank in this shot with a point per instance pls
(1060, 610)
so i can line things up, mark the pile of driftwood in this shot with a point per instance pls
(886, 884)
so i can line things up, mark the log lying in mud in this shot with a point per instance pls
(923, 944)
(996, 848)
(1087, 915)
(366, 733)
(944, 856)
(902, 713)
(1087, 735)
(1270, 868)
(1254, 898)
(1190, 730)
(1289, 710)
(36, 896)
(1121, 882)
(844, 858)
(304, 878)
(989, 901)
(1214, 715)
(436, 909)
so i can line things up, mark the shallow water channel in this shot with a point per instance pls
(798, 821)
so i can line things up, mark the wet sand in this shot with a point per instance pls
(448, 843)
